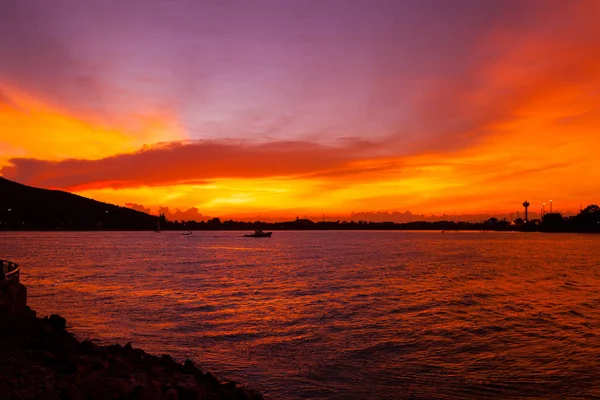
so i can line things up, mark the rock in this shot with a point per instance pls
(105, 387)
(253, 394)
(119, 371)
(151, 359)
(186, 381)
(67, 367)
(29, 313)
(48, 394)
(57, 322)
(45, 357)
(210, 379)
(87, 347)
(49, 332)
(139, 353)
(189, 367)
(241, 394)
(137, 356)
(139, 377)
(185, 393)
(40, 359)
(97, 365)
(119, 387)
(172, 394)
(145, 393)
(230, 386)
(72, 393)
(66, 351)
(229, 390)
(155, 370)
(166, 359)
(115, 349)
(186, 387)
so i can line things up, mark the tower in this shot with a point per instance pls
(526, 205)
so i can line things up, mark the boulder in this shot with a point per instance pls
(57, 322)
(189, 367)
(145, 393)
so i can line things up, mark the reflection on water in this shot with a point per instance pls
(337, 315)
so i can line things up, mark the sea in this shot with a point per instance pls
(337, 314)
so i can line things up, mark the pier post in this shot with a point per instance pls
(13, 295)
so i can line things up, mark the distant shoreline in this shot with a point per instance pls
(24, 208)
(367, 229)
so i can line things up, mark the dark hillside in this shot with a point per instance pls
(26, 207)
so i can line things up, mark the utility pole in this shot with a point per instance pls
(543, 209)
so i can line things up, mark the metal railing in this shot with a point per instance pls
(9, 273)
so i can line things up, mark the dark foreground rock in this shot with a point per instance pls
(39, 359)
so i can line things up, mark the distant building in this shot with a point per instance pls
(526, 205)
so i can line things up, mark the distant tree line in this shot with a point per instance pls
(588, 220)
(120, 218)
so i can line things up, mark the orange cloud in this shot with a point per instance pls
(30, 127)
(180, 162)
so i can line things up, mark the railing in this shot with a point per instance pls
(9, 273)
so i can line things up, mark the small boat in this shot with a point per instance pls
(259, 234)
(187, 233)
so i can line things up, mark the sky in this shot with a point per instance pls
(270, 107)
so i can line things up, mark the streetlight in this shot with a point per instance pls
(550, 206)
(543, 209)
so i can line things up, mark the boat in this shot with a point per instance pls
(187, 233)
(259, 234)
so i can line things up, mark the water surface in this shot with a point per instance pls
(337, 315)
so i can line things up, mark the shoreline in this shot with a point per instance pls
(438, 230)
(42, 360)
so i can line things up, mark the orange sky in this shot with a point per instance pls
(518, 120)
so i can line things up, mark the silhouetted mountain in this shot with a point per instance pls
(26, 207)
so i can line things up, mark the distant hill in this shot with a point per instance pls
(26, 207)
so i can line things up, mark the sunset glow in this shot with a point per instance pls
(279, 110)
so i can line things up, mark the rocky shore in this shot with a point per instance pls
(40, 359)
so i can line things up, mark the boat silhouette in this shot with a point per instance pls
(259, 234)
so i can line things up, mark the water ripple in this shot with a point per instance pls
(338, 315)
